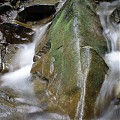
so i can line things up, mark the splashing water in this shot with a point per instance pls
(18, 79)
(23, 57)
(108, 101)
(22, 63)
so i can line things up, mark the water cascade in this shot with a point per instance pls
(19, 77)
(107, 103)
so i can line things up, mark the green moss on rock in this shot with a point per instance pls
(94, 69)
(76, 66)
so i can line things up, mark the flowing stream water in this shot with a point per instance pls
(19, 77)
(108, 101)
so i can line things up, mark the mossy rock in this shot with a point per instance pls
(89, 27)
(93, 69)
(78, 70)
(66, 93)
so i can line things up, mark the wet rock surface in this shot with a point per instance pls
(16, 34)
(37, 10)
(115, 17)
(67, 87)
(94, 79)
(7, 13)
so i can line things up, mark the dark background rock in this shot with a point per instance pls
(36, 12)
(98, 1)
(7, 13)
(4, 8)
(13, 2)
(3, 1)
(16, 34)
(115, 17)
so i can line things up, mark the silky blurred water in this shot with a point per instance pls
(107, 103)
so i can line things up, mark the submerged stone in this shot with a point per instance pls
(16, 34)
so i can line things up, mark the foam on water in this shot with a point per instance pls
(18, 80)
(24, 56)
(113, 61)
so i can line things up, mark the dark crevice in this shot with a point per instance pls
(59, 47)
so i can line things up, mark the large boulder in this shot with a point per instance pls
(73, 69)
(70, 89)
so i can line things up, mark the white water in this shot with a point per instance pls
(106, 107)
(19, 77)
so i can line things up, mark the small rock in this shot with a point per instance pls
(7, 13)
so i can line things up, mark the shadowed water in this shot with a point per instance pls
(108, 101)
